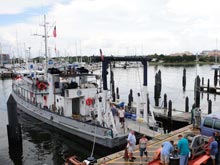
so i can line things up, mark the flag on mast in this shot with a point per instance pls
(102, 56)
(54, 32)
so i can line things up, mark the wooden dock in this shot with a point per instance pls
(177, 115)
(213, 90)
(154, 144)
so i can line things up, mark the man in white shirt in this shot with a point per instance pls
(131, 145)
(121, 113)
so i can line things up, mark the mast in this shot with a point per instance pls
(1, 54)
(45, 36)
(45, 40)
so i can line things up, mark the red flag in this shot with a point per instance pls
(102, 56)
(55, 32)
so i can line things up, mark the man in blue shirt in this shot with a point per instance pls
(183, 149)
(213, 147)
(165, 152)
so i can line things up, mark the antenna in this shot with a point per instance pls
(45, 36)
(216, 51)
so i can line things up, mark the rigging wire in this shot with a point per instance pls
(94, 139)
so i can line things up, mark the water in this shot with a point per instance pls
(43, 144)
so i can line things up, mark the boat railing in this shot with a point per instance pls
(109, 131)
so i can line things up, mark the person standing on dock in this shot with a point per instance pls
(183, 149)
(114, 112)
(131, 145)
(217, 138)
(167, 148)
(143, 148)
(213, 148)
(121, 113)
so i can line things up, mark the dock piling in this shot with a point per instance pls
(215, 77)
(197, 91)
(14, 132)
(184, 79)
(170, 109)
(157, 89)
(209, 106)
(117, 93)
(165, 101)
(187, 104)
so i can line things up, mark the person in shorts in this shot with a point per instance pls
(143, 148)
(121, 113)
(213, 148)
(167, 149)
(131, 145)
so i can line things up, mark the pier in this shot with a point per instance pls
(154, 145)
(208, 89)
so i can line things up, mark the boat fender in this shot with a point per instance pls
(89, 101)
(51, 117)
(45, 98)
(41, 86)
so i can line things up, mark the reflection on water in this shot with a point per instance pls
(43, 144)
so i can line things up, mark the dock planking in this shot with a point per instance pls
(153, 145)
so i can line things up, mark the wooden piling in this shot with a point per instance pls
(208, 86)
(112, 86)
(184, 79)
(148, 104)
(130, 97)
(159, 82)
(14, 132)
(156, 90)
(197, 91)
(187, 104)
(170, 109)
(117, 93)
(14, 128)
(165, 101)
(209, 106)
(170, 115)
(215, 77)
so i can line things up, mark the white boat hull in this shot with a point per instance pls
(83, 130)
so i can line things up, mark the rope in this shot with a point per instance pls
(93, 146)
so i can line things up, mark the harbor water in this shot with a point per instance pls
(43, 144)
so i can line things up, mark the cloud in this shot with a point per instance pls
(117, 26)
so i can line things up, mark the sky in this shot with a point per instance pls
(118, 27)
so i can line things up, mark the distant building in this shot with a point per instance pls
(210, 53)
(4, 59)
(186, 53)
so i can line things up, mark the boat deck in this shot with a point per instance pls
(138, 126)
(154, 145)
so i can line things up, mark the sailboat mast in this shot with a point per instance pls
(45, 42)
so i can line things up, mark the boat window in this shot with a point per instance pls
(208, 122)
(217, 125)
(56, 84)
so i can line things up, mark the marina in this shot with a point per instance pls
(97, 82)
(119, 72)
(153, 146)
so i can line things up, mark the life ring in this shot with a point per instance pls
(41, 86)
(89, 101)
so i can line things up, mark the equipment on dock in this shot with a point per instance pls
(196, 145)
(73, 161)
(198, 152)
